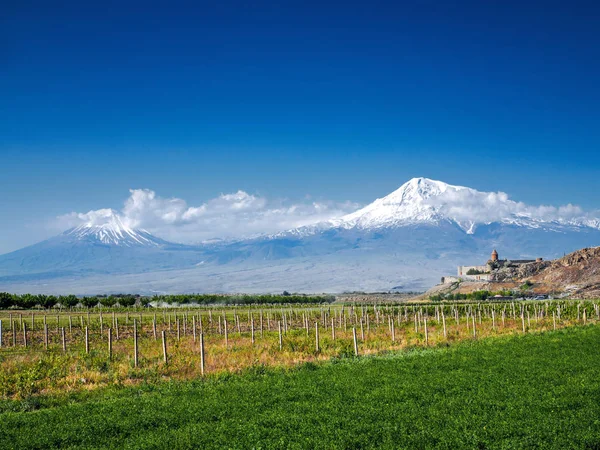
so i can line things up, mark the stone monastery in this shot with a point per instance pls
(487, 271)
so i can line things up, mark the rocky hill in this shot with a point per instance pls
(574, 275)
(578, 274)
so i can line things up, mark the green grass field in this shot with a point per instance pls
(528, 391)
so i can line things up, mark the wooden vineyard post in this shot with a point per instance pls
(280, 336)
(393, 330)
(252, 329)
(46, 336)
(24, 334)
(70, 325)
(554, 320)
(493, 320)
(178, 332)
(362, 331)
(87, 340)
(317, 336)
(64, 340)
(14, 333)
(226, 336)
(154, 328)
(474, 330)
(135, 344)
(355, 340)
(444, 324)
(202, 354)
(117, 328)
(164, 346)
(426, 333)
(194, 327)
(261, 323)
(109, 344)
(332, 329)
(523, 321)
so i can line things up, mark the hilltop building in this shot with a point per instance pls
(486, 272)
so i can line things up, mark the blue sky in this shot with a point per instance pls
(338, 101)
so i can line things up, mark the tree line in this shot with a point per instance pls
(476, 295)
(29, 301)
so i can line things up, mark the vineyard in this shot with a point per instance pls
(45, 352)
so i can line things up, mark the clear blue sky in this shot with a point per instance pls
(338, 100)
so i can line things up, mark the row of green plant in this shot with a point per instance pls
(476, 295)
(30, 301)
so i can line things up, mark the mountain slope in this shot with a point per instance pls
(111, 230)
(105, 246)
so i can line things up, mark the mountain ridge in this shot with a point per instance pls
(409, 238)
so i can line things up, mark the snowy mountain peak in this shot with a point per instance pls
(417, 190)
(414, 201)
(107, 227)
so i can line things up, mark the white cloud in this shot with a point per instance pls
(470, 205)
(241, 214)
(233, 215)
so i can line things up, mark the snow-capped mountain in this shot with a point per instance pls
(409, 204)
(422, 200)
(109, 228)
(405, 240)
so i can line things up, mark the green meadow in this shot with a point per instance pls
(538, 390)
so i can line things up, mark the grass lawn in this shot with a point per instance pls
(532, 391)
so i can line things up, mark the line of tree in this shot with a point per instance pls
(476, 295)
(30, 301)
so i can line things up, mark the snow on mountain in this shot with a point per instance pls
(421, 200)
(108, 227)
(408, 204)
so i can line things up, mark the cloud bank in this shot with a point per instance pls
(240, 214)
(227, 216)
(469, 205)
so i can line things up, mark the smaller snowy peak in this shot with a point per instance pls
(107, 227)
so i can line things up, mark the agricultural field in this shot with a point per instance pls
(45, 352)
(533, 390)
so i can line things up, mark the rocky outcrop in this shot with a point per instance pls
(519, 271)
(577, 273)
